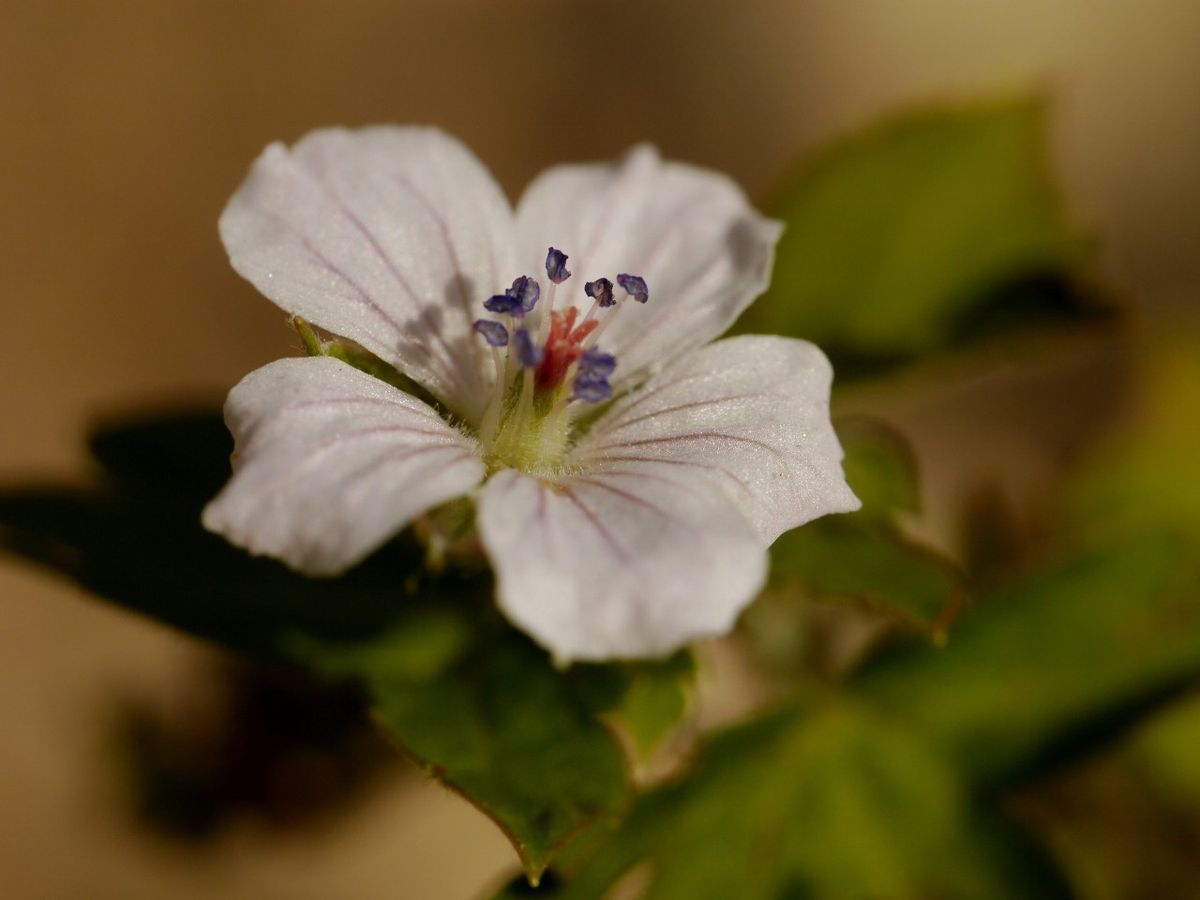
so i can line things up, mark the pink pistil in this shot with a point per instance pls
(564, 346)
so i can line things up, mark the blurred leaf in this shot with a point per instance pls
(871, 566)
(899, 238)
(474, 701)
(863, 557)
(1166, 753)
(149, 557)
(180, 456)
(657, 699)
(1115, 839)
(548, 888)
(1053, 664)
(881, 468)
(244, 740)
(992, 540)
(1149, 475)
(830, 804)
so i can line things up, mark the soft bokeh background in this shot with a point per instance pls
(127, 125)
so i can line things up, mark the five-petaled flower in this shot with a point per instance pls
(627, 475)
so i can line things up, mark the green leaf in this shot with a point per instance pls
(895, 239)
(873, 567)
(880, 466)
(1149, 473)
(1165, 753)
(831, 802)
(864, 558)
(657, 699)
(471, 699)
(1050, 665)
(489, 716)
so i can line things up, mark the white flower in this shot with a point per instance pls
(617, 528)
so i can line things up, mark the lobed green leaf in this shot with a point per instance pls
(904, 237)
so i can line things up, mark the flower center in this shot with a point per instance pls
(543, 377)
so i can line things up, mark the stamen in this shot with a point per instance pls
(493, 332)
(526, 402)
(529, 354)
(591, 390)
(502, 304)
(596, 364)
(556, 266)
(635, 286)
(517, 300)
(560, 407)
(601, 293)
(496, 336)
(527, 290)
(600, 290)
(556, 271)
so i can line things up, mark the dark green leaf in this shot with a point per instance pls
(871, 566)
(833, 803)
(169, 456)
(880, 466)
(491, 718)
(1050, 665)
(152, 558)
(1149, 474)
(657, 698)
(1165, 753)
(896, 238)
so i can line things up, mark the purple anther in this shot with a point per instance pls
(591, 390)
(504, 305)
(596, 364)
(493, 332)
(529, 354)
(556, 266)
(635, 286)
(600, 290)
(526, 291)
(517, 300)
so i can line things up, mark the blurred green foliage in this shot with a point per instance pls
(820, 800)
(1149, 477)
(900, 239)
(864, 558)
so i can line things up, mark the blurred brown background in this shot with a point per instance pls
(127, 125)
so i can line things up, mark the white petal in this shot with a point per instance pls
(390, 236)
(749, 415)
(704, 252)
(330, 463)
(606, 565)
